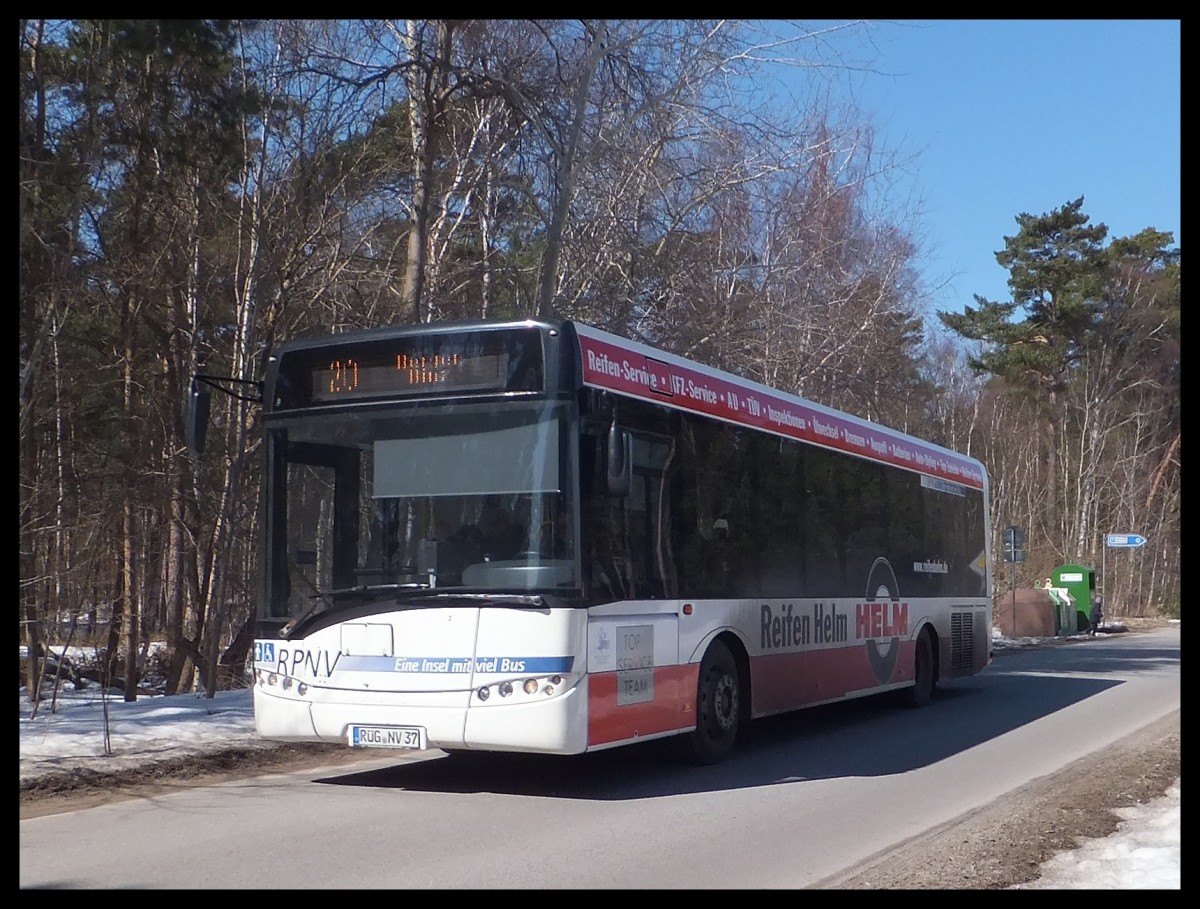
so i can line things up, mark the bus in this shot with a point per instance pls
(536, 536)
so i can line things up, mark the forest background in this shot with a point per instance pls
(193, 192)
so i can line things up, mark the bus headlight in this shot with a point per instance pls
(522, 689)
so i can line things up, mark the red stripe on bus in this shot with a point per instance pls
(673, 706)
(784, 681)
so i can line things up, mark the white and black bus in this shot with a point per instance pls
(535, 536)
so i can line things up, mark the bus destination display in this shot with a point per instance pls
(409, 373)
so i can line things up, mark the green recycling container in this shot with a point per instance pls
(1080, 582)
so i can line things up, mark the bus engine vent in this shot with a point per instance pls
(962, 641)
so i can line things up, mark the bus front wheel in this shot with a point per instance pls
(718, 707)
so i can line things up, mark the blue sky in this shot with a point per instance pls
(1013, 116)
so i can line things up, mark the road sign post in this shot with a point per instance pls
(1116, 541)
(1014, 551)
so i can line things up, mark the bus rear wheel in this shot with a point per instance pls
(924, 674)
(718, 707)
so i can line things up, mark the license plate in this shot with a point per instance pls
(387, 737)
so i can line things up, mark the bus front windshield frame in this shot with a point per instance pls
(467, 498)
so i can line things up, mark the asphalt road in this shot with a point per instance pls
(816, 799)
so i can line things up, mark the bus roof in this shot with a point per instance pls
(633, 369)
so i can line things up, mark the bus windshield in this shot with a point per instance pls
(472, 497)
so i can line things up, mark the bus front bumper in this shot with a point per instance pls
(555, 725)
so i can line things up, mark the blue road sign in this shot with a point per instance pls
(1124, 540)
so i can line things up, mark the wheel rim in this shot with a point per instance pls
(726, 706)
(723, 712)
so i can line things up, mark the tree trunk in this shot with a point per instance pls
(565, 172)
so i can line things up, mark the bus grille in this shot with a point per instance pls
(962, 641)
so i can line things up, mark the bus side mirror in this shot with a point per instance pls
(618, 468)
(199, 401)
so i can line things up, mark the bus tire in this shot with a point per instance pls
(718, 707)
(924, 673)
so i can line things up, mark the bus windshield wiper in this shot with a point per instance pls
(424, 590)
(365, 590)
(502, 599)
(410, 594)
(347, 595)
